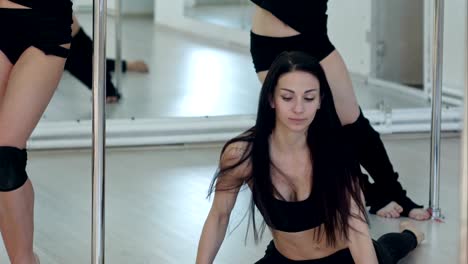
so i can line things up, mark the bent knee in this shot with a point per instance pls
(12, 168)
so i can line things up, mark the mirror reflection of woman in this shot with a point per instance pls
(35, 42)
(80, 63)
(302, 25)
(295, 163)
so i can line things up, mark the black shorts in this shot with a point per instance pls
(264, 49)
(305, 16)
(46, 26)
(273, 256)
(389, 248)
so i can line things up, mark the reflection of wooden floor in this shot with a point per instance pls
(188, 77)
(156, 206)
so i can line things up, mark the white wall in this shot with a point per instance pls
(455, 48)
(128, 6)
(190, 3)
(350, 32)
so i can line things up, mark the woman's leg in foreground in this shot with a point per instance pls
(28, 90)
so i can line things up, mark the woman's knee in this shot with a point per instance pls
(12, 168)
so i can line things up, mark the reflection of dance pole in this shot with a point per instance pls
(437, 51)
(99, 88)
(118, 44)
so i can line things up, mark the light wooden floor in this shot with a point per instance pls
(156, 206)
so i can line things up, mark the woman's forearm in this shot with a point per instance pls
(360, 241)
(212, 237)
(363, 252)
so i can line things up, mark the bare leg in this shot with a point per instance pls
(21, 200)
(341, 87)
(16, 223)
(5, 69)
(75, 26)
(29, 88)
(31, 84)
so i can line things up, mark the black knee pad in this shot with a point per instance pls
(12, 168)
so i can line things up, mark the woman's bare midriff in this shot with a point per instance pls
(9, 4)
(303, 245)
(266, 24)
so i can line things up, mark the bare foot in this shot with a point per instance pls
(407, 225)
(391, 210)
(137, 66)
(419, 214)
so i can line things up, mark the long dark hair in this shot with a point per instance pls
(333, 184)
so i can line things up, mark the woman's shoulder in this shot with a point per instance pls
(240, 143)
(236, 150)
(236, 153)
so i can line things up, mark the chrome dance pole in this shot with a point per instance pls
(99, 96)
(437, 52)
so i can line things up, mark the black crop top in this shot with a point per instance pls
(43, 3)
(295, 216)
(305, 16)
